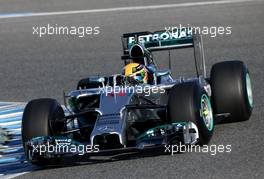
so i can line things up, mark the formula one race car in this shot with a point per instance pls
(113, 114)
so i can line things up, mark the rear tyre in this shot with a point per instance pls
(232, 90)
(189, 103)
(40, 119)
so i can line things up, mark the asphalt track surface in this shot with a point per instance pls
(33, 67)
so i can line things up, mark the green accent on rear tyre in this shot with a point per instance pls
(207, 112)
(249, 90)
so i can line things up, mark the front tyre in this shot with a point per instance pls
(41, 117)
(189, 103)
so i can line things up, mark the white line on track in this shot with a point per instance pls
(12, 175)
(9, 123)
(11, 106)
(11, 115)
(132, 8)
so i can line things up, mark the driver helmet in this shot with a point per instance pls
(136, 71)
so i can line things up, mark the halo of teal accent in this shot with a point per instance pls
(249, 90)
(209, 119)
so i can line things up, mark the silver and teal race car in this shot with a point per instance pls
(114, 114)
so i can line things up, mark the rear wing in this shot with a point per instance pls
(160, 40)
(167, 40)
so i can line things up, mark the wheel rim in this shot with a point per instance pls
(249, 90)
(207, 112)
